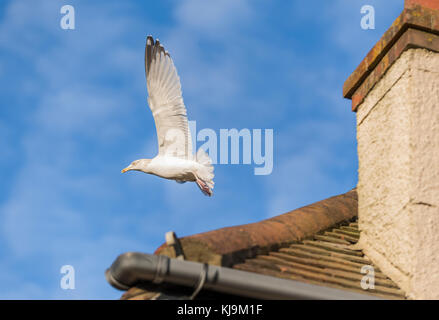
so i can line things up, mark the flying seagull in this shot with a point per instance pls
(175, 160)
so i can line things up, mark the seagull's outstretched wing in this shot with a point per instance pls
(166, 102)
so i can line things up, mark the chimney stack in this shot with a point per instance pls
(395, 94)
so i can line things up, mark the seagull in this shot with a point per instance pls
(175, 159)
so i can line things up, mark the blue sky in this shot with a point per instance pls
(73, 114)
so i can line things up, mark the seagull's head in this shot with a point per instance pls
(139, 165)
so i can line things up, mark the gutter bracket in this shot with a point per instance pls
(173, 241)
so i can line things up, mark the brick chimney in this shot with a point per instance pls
(395, 94)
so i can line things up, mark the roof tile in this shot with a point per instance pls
(324, 261)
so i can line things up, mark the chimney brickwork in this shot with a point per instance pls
(395, 93)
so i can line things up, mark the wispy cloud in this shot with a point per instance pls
(58, 195)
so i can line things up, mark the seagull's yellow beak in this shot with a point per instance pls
(126, 169)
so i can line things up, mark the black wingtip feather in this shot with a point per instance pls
(151, 50)
(155, 48)
(148, 53)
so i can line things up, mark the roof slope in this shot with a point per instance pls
(314, 244)
(328, 259)
(231, 245)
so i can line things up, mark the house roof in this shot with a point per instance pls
(328, 259)
(315, 244)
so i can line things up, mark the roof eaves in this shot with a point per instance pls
(231, 245)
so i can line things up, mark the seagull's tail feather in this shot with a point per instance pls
(207, 173)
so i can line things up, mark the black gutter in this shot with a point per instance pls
(132, 268)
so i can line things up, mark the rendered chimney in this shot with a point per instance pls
(395, 93)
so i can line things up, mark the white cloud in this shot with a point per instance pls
(61, 185)
(7, 149)
(312, 159)
(301, 179)
(213, 18)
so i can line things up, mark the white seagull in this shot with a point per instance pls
(175, 160)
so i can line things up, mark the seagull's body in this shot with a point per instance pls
(175, 160)
(174, 168)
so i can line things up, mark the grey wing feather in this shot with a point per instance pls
(166, 101)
